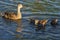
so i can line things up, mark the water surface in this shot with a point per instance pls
(22, 29)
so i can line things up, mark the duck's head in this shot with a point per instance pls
(20, 5)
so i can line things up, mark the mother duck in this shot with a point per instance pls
(13, 16)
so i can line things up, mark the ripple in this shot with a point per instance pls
(27, 31)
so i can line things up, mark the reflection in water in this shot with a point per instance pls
(18, 29)
(19, 25)
(40, 28)
(18, 22)
(10, 24)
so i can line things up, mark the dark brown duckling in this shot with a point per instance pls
(54, 22)
(34, 21)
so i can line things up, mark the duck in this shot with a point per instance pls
(54, 22)
(14, 16)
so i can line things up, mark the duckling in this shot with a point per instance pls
(42, 22)
(34, 21)
(54, 22)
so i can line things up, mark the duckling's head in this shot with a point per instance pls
(6, 13)
(56, 20)
(36, 22)
(32, 20)
(20, 5)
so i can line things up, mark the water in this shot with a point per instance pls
(22, 29)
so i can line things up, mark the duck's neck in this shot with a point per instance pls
(19, 13)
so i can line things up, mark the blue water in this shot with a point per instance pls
(22, 29)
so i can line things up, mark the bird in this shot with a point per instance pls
(34, 21)
(12, 15)
(38, 22)
(31, 20)
(42, 23)
(54, 22)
